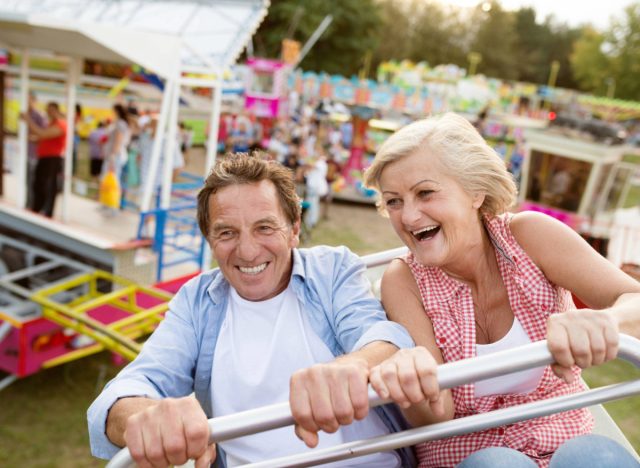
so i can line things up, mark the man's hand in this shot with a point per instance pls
(325, 396)
(167, 432)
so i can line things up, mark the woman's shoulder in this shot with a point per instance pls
(537, 232)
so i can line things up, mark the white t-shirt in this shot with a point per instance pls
(519, 382)
(259, 346)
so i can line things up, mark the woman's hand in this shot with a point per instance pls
(581, 337)
(409, 377)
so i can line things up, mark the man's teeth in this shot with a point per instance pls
(253, 270)
(424, 230)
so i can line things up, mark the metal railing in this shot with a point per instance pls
(449, 375)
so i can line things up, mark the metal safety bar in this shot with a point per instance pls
(384, 257)
(449, 375)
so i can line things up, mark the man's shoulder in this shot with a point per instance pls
(200, 284)
(326, 256)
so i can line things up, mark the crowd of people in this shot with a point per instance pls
(121, 145)
(312, 147)
(275, 322)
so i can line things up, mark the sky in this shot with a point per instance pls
(573, 12)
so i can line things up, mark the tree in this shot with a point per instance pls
(624, 38)
(495, 40)
(529, 35)
(396, 31)
(354, 31)
(589, 64)
(437, 35)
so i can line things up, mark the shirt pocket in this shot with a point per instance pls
(448, 339)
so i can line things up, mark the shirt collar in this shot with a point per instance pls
(298, 265)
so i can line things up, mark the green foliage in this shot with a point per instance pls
(624, 38)
(354, 31)
(495, 41)
(590, 65)
(438, 34)
(512, 44)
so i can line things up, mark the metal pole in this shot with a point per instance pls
(73, 73)
(20, 164)
(2, 87)
(214, 125)
(170, 147)
(382, 258)
(455, 427)
(313, 39)
(449, 375)
(212, 149)
(149, 185)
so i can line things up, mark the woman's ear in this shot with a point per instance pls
(478, 200)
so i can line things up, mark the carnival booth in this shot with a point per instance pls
(580, 181)
(266, 93)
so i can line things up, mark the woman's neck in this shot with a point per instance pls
(476, 263)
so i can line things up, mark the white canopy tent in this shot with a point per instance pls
(168, 38)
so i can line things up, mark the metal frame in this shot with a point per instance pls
(449, 375)
(119, 335)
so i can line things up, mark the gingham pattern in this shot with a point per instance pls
(449, 305)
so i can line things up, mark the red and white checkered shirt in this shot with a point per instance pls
(449, 305)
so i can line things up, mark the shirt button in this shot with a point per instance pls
(544, 307)
(499, 400)
(442, 340)
(501, 431)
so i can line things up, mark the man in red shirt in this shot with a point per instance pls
(51, 147)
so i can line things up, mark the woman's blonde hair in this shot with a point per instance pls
(461, 150)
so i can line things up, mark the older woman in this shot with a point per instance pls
(479, 280)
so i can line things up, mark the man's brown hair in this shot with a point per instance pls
(242, 168)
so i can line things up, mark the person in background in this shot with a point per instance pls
(76, 137)
(333, 173)
(272, 323)
(97, 139)
(241, 135)
(257, 133)
(185, 137)
(479, 280)
(50, 151)
(39, 121)
(316, 187)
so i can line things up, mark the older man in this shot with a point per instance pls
(273, 322)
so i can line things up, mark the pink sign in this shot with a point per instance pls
(263, 64)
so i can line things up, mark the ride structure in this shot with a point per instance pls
(449, 375)
(78, 283)
(583, 180)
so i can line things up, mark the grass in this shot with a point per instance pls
(624, 412)
(42, 417)
(633, 197)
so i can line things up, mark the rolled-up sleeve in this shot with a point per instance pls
(164, 368)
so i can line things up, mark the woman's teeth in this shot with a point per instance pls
(253, 270)
(426, 233)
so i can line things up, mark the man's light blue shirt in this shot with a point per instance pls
(177, 359)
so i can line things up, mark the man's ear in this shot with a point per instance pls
(478, 200)
(295, 234)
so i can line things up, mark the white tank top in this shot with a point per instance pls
(519, 382)
(259, 346)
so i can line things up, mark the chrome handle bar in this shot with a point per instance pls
(450, 375)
